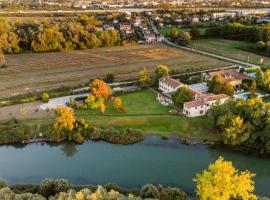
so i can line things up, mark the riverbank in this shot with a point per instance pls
(59, 188)
(143, 113)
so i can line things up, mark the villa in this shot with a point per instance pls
(199, 106)
(229, 76)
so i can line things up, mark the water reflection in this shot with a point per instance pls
(69, 149)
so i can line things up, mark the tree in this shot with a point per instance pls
(252, 89)
(143, 76)
(160, 71)
(65, 119)
(93, 102)
(264, 80)
(184, 39)
(72, 102)
(45, 97)
(2, 58)
(174, 33)
(218, 86)
(183, 94)
(149, 191)
(102, 108)
(2, 183)
(235, 130)
(195, 33)
(221, 181)
(100, 89)
(117, 103)
(110, 78)
(49, 187)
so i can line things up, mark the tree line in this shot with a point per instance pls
(55, 34)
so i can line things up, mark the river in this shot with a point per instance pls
(152, 161)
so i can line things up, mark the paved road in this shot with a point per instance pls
(166, 41)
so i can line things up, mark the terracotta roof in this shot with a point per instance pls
(229, 75)
(205, 100)
(194, 103)
(171, 82)
(214, 97)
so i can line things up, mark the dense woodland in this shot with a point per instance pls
(55, 34)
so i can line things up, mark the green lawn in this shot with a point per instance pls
(229, 48)
(145, 113)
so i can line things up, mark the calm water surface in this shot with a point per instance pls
(152, 161)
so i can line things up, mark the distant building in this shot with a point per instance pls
(194, 20)
(108, 27)
(219, 15)
(126, 28)
(150, 37)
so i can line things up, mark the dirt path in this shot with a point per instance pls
(23, 111)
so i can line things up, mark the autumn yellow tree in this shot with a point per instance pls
(237, 132)
(65, 119)
(102, 108)
(221, 181)
(117, 103)
(2, 58)
(100, 89)
(143, 76)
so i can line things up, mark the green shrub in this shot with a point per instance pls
(45, 97)
(149, 191)
(50, 187)
(2, 183)
(126, 136)
(110, 78)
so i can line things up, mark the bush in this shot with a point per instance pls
(45, 97)
(172, 193)
(50, 187)
(126, 136)
(77, 137)
(2, 183)
(110, 78)
(149, 191)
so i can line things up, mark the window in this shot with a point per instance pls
(201, 112)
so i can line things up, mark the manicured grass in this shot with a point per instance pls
(229, 48)
(167, 31)
(146, 114)
(143, 102)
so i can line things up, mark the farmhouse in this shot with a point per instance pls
(199, 106)
(229, 76)
(202, 104)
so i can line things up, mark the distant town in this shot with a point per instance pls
(134, 100)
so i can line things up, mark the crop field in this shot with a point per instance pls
(46, 71)
(229, 48)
